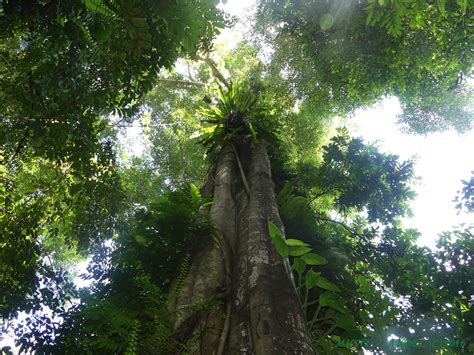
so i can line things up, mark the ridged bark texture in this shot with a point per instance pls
(258, 311)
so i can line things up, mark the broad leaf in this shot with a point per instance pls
(330, 299)
(299, 265)
(298, 251)
(345, 321)
(314, 259)
(278, 239)
(324, 283)
(296, 243)
(311, 279)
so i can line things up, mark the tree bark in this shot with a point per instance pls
(252, 307)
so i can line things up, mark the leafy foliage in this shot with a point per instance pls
(62, 67)
(132, 279)
(369, 278)
(47, 212)
(341, 55)
(362, 178)
(236, 118)
(65, 66)
(465, 198)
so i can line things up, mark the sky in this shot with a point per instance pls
(442, 161)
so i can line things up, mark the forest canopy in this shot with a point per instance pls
(250, 224)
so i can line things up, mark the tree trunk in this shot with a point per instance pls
(250, 305)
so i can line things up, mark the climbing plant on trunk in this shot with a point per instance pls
(260, 312)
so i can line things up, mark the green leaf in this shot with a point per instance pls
(195, 194)
(3, 170)
(311, 279)
(463, 5)
(314, 259)
(324, 283)
(98, 6)
(296, 243)
(299, 265)
(370, 10)
(278, 239)
(345, 321)
(252, 132)
(441, 6)
(298, 251)
(363, 284)
(330, 299)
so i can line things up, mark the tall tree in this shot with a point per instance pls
(210, 271)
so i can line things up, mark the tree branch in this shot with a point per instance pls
(181, 82)
(215, 71)
(345, 226)
(315, 197)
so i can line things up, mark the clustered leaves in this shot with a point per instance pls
(341, 55)
(46, 215)
(360, 178)
(235, 118)
(465, 199)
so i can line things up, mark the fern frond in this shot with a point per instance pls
(181, 276)
(100, 7)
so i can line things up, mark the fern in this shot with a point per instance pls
(133, 342)
(237, 116)
(291, 205)
(100, 7)
(88, 37)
